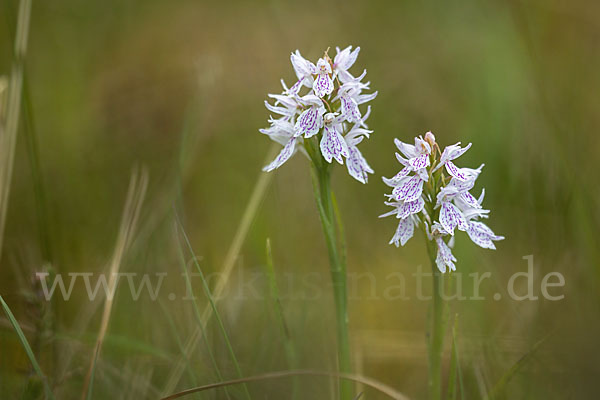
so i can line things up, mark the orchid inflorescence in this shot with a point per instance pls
(424, 193)
(328, 111)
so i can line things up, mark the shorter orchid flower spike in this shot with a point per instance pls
(320, 113)
(443, 205)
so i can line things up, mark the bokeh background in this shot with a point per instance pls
(178, 88)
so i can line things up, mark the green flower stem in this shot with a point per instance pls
(323, 196)
(436, 332)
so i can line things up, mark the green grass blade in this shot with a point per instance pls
(290, 350)
(370, 382)
(188, 284)
(500, 386)
(8, 132)
(214, 308)
(33, 153)
(254, 202)
(180, 345)
(27, 348)
(94, 363)
(117, 343)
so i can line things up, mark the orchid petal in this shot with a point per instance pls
(410, 190)
(350, 109)
(323, 85)
(346, 58)
(451, 217)
(469, 200)
(309, 122)
(444, 257)
(408, 150)
(287, 151)
(455, 171)
(357, 165)
(333, 145)
(397, 179)
(404, 232)
(302, 66)
(364, 98)
(419, 162)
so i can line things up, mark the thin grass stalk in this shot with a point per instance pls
(372, 383)
(214, 309)
(36, 172)
(131, 212)
(288, 344)
(91, 385)
(498, 390)
(256, 197)
(188, 284)
(27, 347)
(32, 145)
(8, 134)
(173, 328)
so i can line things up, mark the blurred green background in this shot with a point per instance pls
(178, 87)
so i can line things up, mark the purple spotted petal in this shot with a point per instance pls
(397, 179)
(323, 85)
(469, 200)
(456, 151)
(451, 217)
(459, 186)
(404, 232)
(357, 165)
(410, 190)
(419, 162)
(455, 171)
(296, 87)
(309, 122)
(283, 156)
(444, 258)
(333, 145)
(403, 172)
(452, 152)
(350, 109)
(411, 207)
(482, 235)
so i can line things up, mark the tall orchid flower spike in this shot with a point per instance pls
(323, 109)
(445, 203)
(440, 203)
(320, 117)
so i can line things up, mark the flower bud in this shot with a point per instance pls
(430, 138)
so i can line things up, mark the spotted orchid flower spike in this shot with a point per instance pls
(320, 113)
(432, 193)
